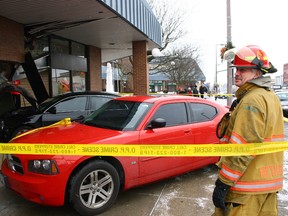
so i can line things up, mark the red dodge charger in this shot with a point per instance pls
(91, 183)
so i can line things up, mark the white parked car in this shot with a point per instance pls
(283, 96)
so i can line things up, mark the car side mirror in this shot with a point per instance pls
(52, 110)
(157, 123)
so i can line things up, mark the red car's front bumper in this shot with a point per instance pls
(45, 190)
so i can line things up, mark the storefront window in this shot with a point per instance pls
(69, 66)
(60, 81)
(59, 46)
(66, 60)
(77, 49)
(79, 83)
(41, 48)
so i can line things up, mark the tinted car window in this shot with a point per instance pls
(202, 112)
(72, 104)
(174, 114)
(98, 101)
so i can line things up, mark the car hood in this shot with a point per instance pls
(71, 134)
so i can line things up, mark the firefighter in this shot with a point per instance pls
(247, 185)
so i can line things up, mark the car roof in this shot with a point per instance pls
(71, 94)
(93, 93)
(67, 94)
(153, 99)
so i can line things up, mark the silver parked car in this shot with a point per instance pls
(283, 96)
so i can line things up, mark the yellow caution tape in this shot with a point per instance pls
(139, 150)
(143, 150)
(191, 94)
(63, 122)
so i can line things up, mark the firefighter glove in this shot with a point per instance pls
(219, 194)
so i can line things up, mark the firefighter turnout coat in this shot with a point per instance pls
(257, 118)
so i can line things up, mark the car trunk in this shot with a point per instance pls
(8, 94)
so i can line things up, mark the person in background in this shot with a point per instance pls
(195, 91)
(202, 90)
(189, 91)
(248, 184)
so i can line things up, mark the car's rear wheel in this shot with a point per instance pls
(94, 188)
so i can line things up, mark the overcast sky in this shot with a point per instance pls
(258, 22)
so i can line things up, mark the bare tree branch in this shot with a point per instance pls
(171, 23)
(180, 65)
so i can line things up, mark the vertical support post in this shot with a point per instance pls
(94, 69)
(140, 68)
(229, 69)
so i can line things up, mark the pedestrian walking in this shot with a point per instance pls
(248, 185)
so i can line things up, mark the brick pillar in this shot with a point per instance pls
(140, 68)
(94, 69)
(11, 41)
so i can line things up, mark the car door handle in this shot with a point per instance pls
(187, 131)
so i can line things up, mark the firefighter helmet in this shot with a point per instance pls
(250, 57)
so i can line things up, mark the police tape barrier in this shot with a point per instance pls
(143, 150)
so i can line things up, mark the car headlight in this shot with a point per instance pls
(47, 167)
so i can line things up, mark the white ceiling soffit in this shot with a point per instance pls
(84, 21)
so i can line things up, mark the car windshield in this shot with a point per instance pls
(118, 115)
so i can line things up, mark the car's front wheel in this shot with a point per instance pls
(94, 188)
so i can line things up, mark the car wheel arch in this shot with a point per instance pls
(113, 161)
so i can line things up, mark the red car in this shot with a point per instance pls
(91, 183)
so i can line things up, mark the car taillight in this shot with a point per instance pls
(47, 167)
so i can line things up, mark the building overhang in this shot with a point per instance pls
(109, 25)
